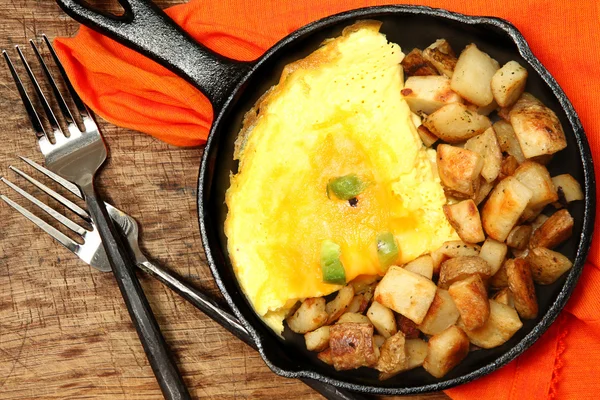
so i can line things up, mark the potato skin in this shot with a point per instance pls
(458, 268)
(556, 229)
(392, 356)
(520, 283)
(352, 346)
(547, 265)
(415, 64)
(470, 297)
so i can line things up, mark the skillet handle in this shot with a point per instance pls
(146, 29)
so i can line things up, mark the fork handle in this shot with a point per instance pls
(123, 266)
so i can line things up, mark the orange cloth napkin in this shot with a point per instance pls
(131, 91)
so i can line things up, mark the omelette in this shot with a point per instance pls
(335, 113)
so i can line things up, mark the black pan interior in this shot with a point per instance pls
(408, 30)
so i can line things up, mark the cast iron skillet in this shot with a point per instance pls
(233, 87)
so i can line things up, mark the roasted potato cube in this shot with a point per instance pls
(406, 326)
(426, 136)
(567, 188)
(442, 314)
(485, 188)
(317, 340)
(500, 326)
(547, 265)
(518, 238)
(325, 356)
(485, 110)
(473, 74)
(406, 293)
(459, 268)
(336, 307)
(415, 65)
(441, 55)
(538, 221)
(500, 280)
(458, 248)
(454, 123)
(503, 208)
(508, 140)
(422, 265)
(537, 178)
(353, 317)
(486, 145)
(438, 256)
(392, 355)
(537, 127)
(309, 316)
(459, 170)
(426, 94)
(378, 340)
(470, 297)
(363, 283)
(494, 253)
(416, 351)
(505, 297)
(520, 283)
(382, 319)
(508, 83)
(508, 166)
(554, 231)
(464, 218)
(358, 304)
(445, 350)
(352, 346)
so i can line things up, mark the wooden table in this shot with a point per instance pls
(64, 331)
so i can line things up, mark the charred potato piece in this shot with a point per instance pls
(508, 83)
(309, 316)
(538, 221)
(494, 253)
(508, 140)
(426, 94)
(500, 280)
(505, 297)
(547, 265)
(445, 350)
(454, 123)
(336, 307)
(537, 178)
(459, 170)
(352, 346)
(416, 351)
(317, 340)
(520, 283)
(392, 355)
(441, 56)
(554, 231)
(358, 304)
(464, 218)
(456, 269)
(382, 319)
(442, 314)
(406, 326)
(486, 145)
(470, 297)
(503, 208)
(518, 238)
(406, 293)
(567, 188)
(426, 136)
(537, 127)
(500, 326)
(415, 65)
(422, 265)
(473, 75)
(353, 317)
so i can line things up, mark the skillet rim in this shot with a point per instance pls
(588, 213)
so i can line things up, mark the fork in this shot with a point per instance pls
(76, 158)
(92, 253)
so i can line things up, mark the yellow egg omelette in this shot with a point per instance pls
(335, 113)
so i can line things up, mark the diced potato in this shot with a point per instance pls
(537, 178)
(392, 358)
(500, 326)
(459, 170)
(538, 221)
(520, 283)
(485, 110)
(508, 140)
(309, 316)
(503, 208)
(486, 145)
(325, 356)
(438, 256)
(459, 268)
(336, 307)
(554, 231)
(317, 340)
(458, 248)
(426, 94)
(470, 297)
(485, 188)
(378, 340)
(426, 136)
(518, 238)
(441, 55)
(416, 351)
(508, 83)
(464, 218)
(353, 317)
(362, 283)
(406, 293)
(442, 314)
(369, 293)
(508, 166)
(519, 253)
(537, 127)
(505, 297)
(406, 326)
(567, 188)
(445, 350)
(358, 304)
(422, 265)
(382, 319)
(473, 74)
(494, 253)
(547, 265)
(454, 123)
(500, 280)
(415, 65)
(352, 346)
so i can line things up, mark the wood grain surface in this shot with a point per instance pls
(64, 331)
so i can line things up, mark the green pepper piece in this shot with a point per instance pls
(331, 265)
(346, 187)
(387, 249)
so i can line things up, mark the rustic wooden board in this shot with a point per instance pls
(64, 332)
